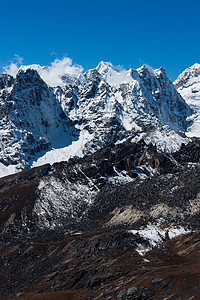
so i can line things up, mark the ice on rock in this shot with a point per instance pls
(188, 85)
(155, 234)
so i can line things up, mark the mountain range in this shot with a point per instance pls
(42, 123)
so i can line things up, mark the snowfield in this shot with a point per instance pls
(155, 234)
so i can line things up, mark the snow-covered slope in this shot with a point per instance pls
(42, 122)
(32, 121)
(188, 85)
(116, 106)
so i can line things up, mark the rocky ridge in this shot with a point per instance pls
(100, 188)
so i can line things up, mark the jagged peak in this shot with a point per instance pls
(28, 73)
(187, 75)
(161, 73)
(145, 67)
(32, 67)
(194, 66)
(103, 67)
(5, 75)
(29, 77)
(161, 69)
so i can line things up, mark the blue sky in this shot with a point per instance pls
(128, 32)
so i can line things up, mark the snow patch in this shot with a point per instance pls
(61, 199)
(155, 234)
(65, 153)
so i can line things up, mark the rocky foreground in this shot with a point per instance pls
(122, 223)
(100, 265)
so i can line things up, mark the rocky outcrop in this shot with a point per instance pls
(125, 184)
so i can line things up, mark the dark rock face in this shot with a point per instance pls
(189, 152)
(6, 81)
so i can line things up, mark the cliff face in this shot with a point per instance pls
(32, 121)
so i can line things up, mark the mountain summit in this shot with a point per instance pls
(188, 85)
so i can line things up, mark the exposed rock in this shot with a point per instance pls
(79, 226)
(94, 191)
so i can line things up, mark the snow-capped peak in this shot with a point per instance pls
(112, 76)
(188, 77)
(147, 71)
(188, 85)
(160, 71)
(104, 67)
(145, 67)
(32, 67)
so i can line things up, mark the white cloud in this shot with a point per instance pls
(14, 65)
(18, 59)
(11, 69)
(52, 74)
(120, 68)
